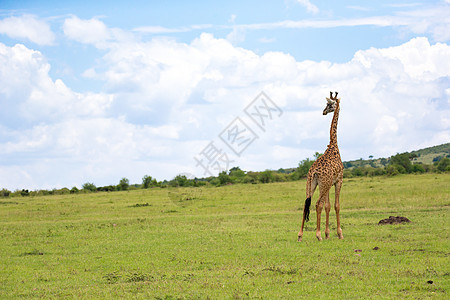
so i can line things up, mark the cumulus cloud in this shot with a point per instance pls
(91, 31)
(164, 101)
(380, 90)
(29, 95)
(28, 27)
(94, 32)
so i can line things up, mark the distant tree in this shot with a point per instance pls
(89, 187)
(370, 156)
(358, 171)
(147, 181)
(418, 168)
(236, 172)
(402, 160)
(266, 176)
(74, 190)
(444, 164)
(384, 161)
(107, 188)
(392, 170)
(63, 191)
(124, 184)
(317, 155)
(179, 180)
(224, 178)
(303, 168)
(280, 177)
(347, 164)
(251, 177)
(4, 193)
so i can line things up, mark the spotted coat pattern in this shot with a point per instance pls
(326, 171)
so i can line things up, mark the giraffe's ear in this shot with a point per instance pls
(329, 101)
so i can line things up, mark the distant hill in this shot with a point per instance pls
(428, 155)
(424, 156)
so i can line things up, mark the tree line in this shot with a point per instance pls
(395, 165)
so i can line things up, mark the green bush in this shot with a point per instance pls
(266, 176)
(4, 193)
(418, 168)
(392, 170)
(148, 181)
(443, 164)
(124, 184)
(88, 186)
(402, 162)
(224, 178)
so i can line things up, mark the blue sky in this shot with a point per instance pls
(100, 91)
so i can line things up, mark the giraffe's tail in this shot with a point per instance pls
(309, 181)
(306, 209)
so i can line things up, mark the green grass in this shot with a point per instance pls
(230, 242)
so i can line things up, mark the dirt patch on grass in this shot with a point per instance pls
(394, 220)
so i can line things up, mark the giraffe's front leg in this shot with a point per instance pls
(300, 233)
(319, 207)
(337, 207)
(327, 212)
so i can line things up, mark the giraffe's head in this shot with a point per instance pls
(331, 103)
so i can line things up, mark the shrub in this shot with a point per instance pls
(224, 178)
(392, 171)
(89, 187)
(280, 177)
(107, 188)
(266, 176)
(4, 193)
(251, 177)
(236, 172)
(357, 171)
(376, 171)
(302, 169)
(124, 184)
(348, 173)
(402, 160)
(443, 164)
(418, 168)
(148, 181)
(63, 191)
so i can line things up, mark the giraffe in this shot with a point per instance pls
(326, 171)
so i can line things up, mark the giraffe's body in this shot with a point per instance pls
(326, 171)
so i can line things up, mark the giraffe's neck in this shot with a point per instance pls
(333, 128)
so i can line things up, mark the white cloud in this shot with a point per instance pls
(311, 8)
(28, 27)
(30, 95)
(91, 31)
(164, 30)
(432, 21)
(165, 101)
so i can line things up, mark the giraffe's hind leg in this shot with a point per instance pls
(327, 211)
(322, 199)
(313, 184)
(337, 206)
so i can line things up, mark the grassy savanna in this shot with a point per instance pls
(235, 241)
